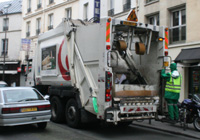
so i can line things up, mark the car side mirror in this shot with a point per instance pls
(46, 97)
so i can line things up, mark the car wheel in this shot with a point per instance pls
(42, 125)
(72, 114)
(57, 114)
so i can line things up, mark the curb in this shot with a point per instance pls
(166, 130)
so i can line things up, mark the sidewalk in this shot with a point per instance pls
(171, 128)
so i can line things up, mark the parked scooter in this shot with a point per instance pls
(189, 111)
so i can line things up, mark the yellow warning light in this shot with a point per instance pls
(166, 29)
(132, 16)
(109, 19)
(160, 39)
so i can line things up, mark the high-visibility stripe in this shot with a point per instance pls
(166, 40)
(108, 32)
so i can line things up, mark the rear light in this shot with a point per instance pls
(166, 53)
(108, 47)
(108, 83)
(18, 109)
(43, 107)
(10, 110)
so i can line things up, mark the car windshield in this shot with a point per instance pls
(21, 95)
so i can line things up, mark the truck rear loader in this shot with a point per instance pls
(108, 71)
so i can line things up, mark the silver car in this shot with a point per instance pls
(22, 105)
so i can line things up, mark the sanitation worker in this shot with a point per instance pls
(172, 91)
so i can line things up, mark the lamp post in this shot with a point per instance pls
(5, 42)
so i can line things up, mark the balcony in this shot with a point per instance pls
(28, 10)
(111, 12)
(37, 31)
(50, 27)
(27, 34)
(5, 28)
(51, 1)
(39, 6)
(127, 6)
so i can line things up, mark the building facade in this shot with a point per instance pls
(40, 16)
(10, 41)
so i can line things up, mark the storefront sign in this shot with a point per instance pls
(97, 10)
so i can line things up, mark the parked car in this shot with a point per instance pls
(3, 84)
(23, 105)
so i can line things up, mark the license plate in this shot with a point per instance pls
(29, 109)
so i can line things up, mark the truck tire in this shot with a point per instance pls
(72, 114)
(57, 114)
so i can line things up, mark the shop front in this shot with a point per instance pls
(11, 75)
(190, 61)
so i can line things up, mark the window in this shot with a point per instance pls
(28, 28)
(5, 24)
(178, 26)
(39, 4)
(111, 11)
(4, 47)
(29, 6)
(69, 13)
(38, 26)
(50, 22)
(51, 1)
(85, 16)
(153, 20)
(127, 5)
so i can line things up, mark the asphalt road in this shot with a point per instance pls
(95, 132)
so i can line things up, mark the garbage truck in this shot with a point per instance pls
(108, 71)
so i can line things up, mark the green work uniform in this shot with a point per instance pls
(172, 91)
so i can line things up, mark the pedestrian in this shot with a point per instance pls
(172, 91)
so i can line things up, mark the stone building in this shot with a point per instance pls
(10, 41)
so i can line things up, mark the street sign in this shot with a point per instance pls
(25, 44)
(97, 4)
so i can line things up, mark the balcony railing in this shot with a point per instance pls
(27, 34)
(50, 27)
(51, 1)
(111, 12)
(127, 6)
(28, 10)
(5, 28)
(38, 31)
(39, 6)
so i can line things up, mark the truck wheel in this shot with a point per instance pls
(56, 110)
(72, 114)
